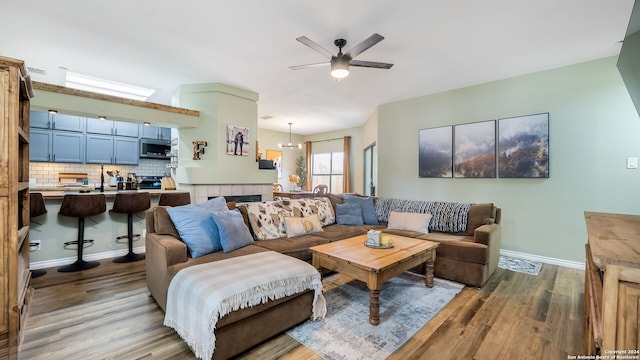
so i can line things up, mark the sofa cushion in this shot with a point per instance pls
(466, 251)
(337, 232)
(409, 221)
(297, 247)
(197, 228)
(162, 222)
(297, 226)
(368, 209)
(445, 237)
(349, 214)
(234, 234)
(480, 214)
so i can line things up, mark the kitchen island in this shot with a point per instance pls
(53, 230)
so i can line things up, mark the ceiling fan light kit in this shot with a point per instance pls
(340, 63)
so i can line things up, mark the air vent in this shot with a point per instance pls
(36, 70)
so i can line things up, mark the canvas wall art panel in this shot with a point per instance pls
(523, 146)
(435, 152)
(475, 150)
(237, 140)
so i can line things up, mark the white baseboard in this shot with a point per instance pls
(89, 257)
(543, 259)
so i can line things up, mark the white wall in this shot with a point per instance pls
(593, 128)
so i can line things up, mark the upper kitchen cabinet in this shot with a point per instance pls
(65, 122)
(40, 149)
(57, 146)
(111, 150)
(110, 127)
(155, 132)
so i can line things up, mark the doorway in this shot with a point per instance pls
(370, 169)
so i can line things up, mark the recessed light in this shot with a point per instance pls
(102, 117)
(53, 111)
(146, 123)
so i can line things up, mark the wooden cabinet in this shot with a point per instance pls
(15, 278)
(612, 284)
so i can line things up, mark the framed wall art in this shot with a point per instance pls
(435, 152)
(237, 140)
(523, 146)
(475, 150)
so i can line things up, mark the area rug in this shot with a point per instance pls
(519, 265)
(406, 305)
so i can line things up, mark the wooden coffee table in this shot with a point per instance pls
(375, 266)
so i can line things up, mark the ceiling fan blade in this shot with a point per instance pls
(364, 45)
(370, 64)
(313, 45)
(307, 66)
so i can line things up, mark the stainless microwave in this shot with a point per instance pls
(155, 149)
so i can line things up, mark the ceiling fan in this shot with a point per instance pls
(340, 63)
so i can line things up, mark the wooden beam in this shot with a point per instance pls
(91, 95)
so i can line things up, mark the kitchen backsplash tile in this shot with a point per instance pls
(47, 173)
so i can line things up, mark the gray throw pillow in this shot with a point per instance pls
(349, 214)
(368, 209)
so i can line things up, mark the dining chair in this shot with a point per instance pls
(320, 190)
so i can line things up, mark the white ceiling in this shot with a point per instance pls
(435, 45)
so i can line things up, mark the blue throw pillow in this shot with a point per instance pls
(368, 209)
(234, 233)
(349, 214)
(216, 204)
(196, 228)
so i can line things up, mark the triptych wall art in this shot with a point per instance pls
(471, 150)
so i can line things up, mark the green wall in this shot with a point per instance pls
(593, 129)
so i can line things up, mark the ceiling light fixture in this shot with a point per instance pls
(102, 117)
(340, 67)
(290, 145)
(53, 111)
(107, 87)
(146, 123)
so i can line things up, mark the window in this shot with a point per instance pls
(326, 169)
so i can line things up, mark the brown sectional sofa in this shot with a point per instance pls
(469, 257)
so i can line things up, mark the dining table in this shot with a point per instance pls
(292, 194)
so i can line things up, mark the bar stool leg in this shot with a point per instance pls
(80, 264)
(131, 256)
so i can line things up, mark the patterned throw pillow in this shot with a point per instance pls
(297, 226)
(267, 218)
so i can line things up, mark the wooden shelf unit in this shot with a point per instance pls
(15, 275)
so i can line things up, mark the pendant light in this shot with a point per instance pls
(290, 145)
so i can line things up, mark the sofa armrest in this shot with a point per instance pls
(162, 251)
(490, 236)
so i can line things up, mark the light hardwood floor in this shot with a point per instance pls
(107, 313)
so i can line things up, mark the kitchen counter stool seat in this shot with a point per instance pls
(81, 206)
(130, 203)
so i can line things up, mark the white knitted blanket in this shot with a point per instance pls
(200, 295)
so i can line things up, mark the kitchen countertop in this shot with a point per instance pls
(58, 192)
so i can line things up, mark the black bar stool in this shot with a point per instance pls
(130, 203)
(81, 206)
(36, 208)
(174, 199)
